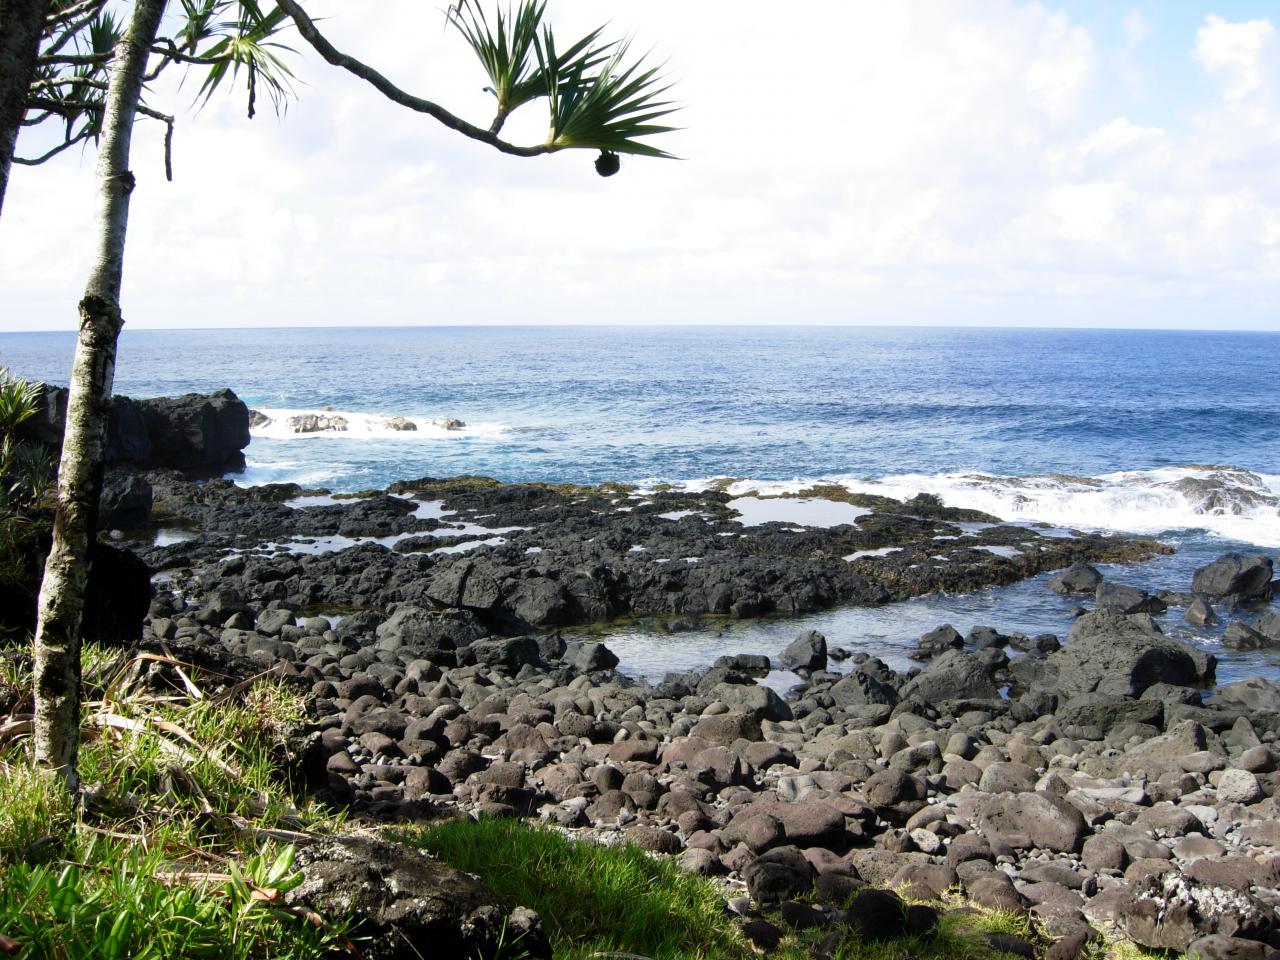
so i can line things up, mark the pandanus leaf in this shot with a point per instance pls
(608, 110)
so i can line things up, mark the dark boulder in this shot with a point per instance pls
(779, 874)
(1269, 625)
(1235, 574)
(877, 915)
(1121, 656)
(125, 502)
(507, 654)
(859, 688)
(938, 641)
(1251, 696)
(203, 435)
(806, 653)
(429, 633)
(1077, 580)
(953, 676)
(1241, 636)
(407, 905)
(1122, 599)
(590, 656)
(128, 439)
(1200, 613)
(1034, 820)
(196, 433)
(45, 425)
(116, 601)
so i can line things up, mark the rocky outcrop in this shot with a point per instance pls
(1118, 655)
(805, 654)
(125, 502)
(197, 434)
(317, 423)
(1079, 579)
(563, 556)
(201, 435)
(1247, 577)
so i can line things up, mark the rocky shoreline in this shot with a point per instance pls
(1093, 780)
(1087, 780)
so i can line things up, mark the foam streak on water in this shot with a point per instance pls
(1227, 502)
(355, 425)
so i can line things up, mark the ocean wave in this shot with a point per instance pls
(1224, 501)
(329, 424)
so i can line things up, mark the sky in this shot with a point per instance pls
(921, 162)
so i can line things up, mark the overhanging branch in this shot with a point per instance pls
(307, 28)
(54, 151)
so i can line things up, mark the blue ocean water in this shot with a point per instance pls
(591, 404)
(1170, 434)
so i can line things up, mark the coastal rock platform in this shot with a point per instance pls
(1078, 784)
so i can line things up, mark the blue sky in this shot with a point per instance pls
(981, 162)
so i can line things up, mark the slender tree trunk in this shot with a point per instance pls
(66, 573)
(21, 22)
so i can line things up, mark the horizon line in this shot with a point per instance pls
(665, 326)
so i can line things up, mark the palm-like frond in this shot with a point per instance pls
(246, 43)
(103, 34)
(19, 402)
(199, 22)
(610, 110)
(507, 50)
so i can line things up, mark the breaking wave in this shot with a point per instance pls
(289, 424)
(1227, 502)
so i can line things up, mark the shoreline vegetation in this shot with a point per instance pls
(314, 689)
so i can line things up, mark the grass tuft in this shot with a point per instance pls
(180, 849)
(592, 899)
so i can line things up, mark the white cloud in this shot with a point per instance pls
(1136, 28)
(1237, 52)
(919, 161)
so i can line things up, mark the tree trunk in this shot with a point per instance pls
(66, 573)
(21, 22)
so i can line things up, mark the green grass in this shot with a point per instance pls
(181, 847)
(591, 898)
(597, 900)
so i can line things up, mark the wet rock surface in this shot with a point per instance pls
(540, 555)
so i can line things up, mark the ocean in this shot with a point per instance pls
(1168, 434)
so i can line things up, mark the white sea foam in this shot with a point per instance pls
(368, 426)
(1227, 502)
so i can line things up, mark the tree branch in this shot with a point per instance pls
(169, 50)
(51, 82)
(74, 60)
(53, 106)
(36, 161)
(61, 106)
(56, 19)
(74, 28)
(308, 30)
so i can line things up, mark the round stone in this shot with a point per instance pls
(1238, 786)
